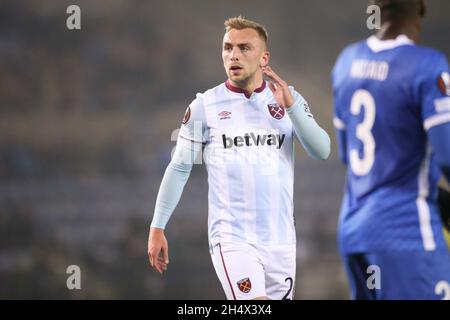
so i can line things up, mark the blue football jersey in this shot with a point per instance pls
(387, 94)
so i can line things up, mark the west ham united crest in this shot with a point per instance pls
(245, 285)
(276, 111)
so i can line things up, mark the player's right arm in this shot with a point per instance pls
(169, 194)
(189, 146)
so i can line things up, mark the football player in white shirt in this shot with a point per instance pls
(245, 128)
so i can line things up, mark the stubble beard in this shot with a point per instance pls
(244, 82)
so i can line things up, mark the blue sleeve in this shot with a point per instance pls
(174, 180)
(313, 138)
(338, 116)
(439, 137)
(432, 90)
(340, 127)
(342, 145)
(432, 93)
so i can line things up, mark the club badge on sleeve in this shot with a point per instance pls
(187, 115)
(444, 83)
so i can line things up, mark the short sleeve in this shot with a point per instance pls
(433, 88)
(338, 74)
(193, 126)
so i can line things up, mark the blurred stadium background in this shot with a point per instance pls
(86, 119)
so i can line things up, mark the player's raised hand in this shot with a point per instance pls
(279, 88)
(158, 250)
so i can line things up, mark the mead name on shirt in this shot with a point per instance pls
(252, 139)
(370, 69)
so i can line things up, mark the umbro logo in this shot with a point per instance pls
(224, 115)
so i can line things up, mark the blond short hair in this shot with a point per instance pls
(241, 22)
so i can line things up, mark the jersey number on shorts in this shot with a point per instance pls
(291, 282)
(361, 166)
(443, 287)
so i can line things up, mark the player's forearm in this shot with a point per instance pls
(313, 138)
(172, 185)
(446, 172)
(444, 163)
(440, 143)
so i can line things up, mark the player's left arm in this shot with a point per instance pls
(433, 88)
(440, 142)
(444, 207)
(439, 138)
(313, 138)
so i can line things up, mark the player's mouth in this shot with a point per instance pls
(235, 69)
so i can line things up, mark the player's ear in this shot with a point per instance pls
(264, 61)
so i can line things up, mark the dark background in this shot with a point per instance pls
(87, 120)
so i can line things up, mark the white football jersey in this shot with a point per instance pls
(249, 156)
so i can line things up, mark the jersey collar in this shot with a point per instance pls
(377, 45)
(246, 93)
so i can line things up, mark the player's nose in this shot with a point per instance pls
(234, 54)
